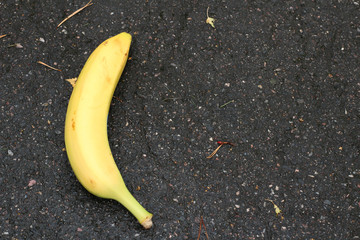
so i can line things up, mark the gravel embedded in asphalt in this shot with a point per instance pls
(279, 79)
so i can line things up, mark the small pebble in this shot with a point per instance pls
(32, 182)
(10, 153)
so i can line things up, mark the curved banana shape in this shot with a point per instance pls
(86, 136)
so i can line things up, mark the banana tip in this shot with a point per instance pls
(147, 223)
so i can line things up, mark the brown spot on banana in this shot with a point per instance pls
(73, 123)
(92, 182)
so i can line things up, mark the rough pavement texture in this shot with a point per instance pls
(280, 79)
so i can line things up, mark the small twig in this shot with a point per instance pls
(1, 36)
(117, 98)
(199, 231)
(48, 66)
(207, 236)
(215, 151)
(80, 9)
(227, 103)
(202, 224)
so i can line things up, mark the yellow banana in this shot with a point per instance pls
(86, 138)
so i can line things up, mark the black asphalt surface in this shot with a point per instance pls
(279, 79)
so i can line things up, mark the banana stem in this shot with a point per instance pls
(129, 202)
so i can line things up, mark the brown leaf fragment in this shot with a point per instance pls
(80, 9)
(72, 81)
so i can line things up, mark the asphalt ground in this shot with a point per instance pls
(279, 79)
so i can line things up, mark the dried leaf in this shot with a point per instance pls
(72, 81)
(18, 45)
(277, 209)
(209, 20)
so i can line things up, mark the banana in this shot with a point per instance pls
(86, 138)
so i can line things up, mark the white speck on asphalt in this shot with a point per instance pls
(10, 153)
